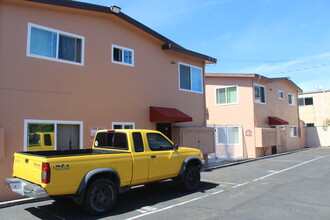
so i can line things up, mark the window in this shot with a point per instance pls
(282, 127)
(122, 55)
(112, 140)
(309, 125)
(259, 94)
(190, 78)
(138, 143)
(228, 135)
(157, 142)
(51, 44)
(227, 95)
(52, 135)
(306, 101)
(122, 125)
(281, 94)
(293, 131)
(291, 98)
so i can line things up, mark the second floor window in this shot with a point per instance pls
(122, 55)
(280, 94)
(291, 98)
(226, 95)
(190, 78)
(306, 101)
(259, 94)
(51, 44)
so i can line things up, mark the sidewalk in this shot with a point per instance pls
(225, 163)
(208, 167)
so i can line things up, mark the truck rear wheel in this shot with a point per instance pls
(100, 197)
(191, 178)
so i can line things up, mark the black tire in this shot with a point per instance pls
(192, 178)
(100, 197)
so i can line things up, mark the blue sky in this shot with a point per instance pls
(274, 38)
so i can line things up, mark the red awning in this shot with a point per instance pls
(276, 121)
(160, 114)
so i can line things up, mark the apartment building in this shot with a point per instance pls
(253, 115)
(314, 110)
(68, 69)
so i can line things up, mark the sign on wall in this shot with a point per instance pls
(248, 133)
(93, 131)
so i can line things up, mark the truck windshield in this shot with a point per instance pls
(112, 140)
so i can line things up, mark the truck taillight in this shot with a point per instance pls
(45, 173)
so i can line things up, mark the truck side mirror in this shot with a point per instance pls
(175, 146)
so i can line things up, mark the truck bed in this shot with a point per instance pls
(69, 153)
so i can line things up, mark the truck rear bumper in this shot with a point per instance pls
(25, 188)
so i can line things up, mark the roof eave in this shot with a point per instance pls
(170, 45)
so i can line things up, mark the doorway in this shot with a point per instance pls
(165, 128)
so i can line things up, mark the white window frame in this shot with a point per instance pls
(202, 78)
(226, 127)
(123, 124)
(226, 87)
(293, 130)
(304, 100)
(123, 49)
(55, 122)
(280, 94)
(254, 96)
(293, 97)
(58, 33)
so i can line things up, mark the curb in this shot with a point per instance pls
(21, 201)
(254, 159)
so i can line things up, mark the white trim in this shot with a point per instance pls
(292, 134)
(123, 49)
(55, 122)
(293, 99)
(278, 94)
(123, 123)
(58, 32)
(226, 127)
(202, 77)
(225, 87)
(259, 102)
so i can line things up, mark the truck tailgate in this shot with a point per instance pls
(28, 167)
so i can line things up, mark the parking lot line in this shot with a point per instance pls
(289, 168)
(174, 205)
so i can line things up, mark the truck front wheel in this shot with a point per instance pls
(191, 178)
(100, 197)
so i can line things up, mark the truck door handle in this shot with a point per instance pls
(153, 156)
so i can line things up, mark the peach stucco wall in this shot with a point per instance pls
(241, 114)
(253, 116)
(97, 93)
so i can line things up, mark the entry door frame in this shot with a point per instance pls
(165, 128)
(55, 122)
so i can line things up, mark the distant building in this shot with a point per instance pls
(314, 110)
(253, 115)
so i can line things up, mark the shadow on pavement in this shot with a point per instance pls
(127, 202)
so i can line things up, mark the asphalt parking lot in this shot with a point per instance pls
(291, 186)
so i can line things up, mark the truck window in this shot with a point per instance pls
(48, 140)
(112, 140)
(158, 143)
(138, 143)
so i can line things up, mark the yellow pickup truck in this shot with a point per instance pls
(93, 177)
